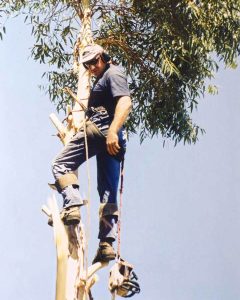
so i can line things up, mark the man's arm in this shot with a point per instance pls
(122, 111)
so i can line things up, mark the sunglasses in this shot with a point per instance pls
(92, 62)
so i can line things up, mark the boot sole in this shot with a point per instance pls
(66, 221)
(71, 221)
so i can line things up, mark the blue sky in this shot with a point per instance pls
(181, 205)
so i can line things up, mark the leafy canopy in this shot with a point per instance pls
(169, 49)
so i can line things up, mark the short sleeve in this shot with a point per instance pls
(117, 83)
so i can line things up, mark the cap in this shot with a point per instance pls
(90, 52)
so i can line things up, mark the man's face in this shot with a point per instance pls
(96, 66)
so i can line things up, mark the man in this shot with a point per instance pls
(108, 108)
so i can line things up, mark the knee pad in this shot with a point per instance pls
(66, 180)
(108, 209)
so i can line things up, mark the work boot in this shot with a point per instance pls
(105, 253)
(69, 216)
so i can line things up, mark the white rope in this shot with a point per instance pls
(88, 198)
(114, 295)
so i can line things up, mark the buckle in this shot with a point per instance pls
(100, 109)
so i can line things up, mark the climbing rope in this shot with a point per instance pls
(120, 211)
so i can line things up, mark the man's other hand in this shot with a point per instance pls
(112, 143)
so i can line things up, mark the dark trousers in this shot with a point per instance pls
(108, 168)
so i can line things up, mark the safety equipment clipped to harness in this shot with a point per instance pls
(122, 280)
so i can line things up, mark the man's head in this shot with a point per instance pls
(93, 59)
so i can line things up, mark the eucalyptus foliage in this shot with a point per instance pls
(169, 48)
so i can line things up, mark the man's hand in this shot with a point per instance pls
(112, 143)
(122, 110)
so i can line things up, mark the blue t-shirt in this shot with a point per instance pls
(106, 89)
